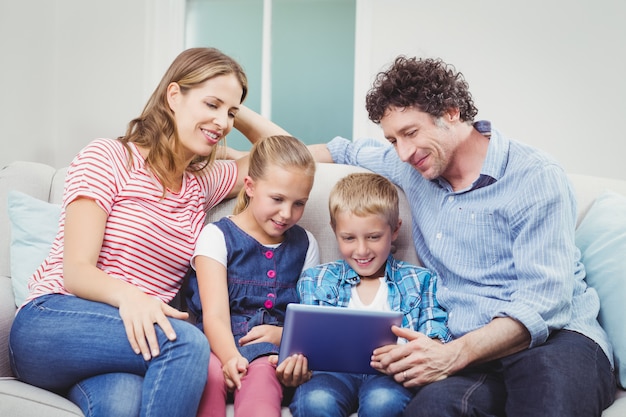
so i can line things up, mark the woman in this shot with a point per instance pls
(97, 325)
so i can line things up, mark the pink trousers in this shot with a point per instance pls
(261, 393)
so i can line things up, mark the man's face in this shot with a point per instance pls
(426, 143)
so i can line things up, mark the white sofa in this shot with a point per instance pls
(46, 183)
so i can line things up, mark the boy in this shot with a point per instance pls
(364, 215)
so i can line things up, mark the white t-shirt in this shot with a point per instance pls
(212, 244)
(379, 303)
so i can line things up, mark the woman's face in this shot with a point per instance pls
(206, 113)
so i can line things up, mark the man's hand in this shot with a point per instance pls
(419, 362)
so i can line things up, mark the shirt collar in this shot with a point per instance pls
(497, 154)
(351, 277)
(495, 160)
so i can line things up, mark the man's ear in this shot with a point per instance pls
(453, 114)
(173, 94)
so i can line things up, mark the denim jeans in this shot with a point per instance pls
(569, 375)
(78, 348)
(331, 394)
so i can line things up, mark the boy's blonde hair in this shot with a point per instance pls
(363, 194)
(282, 151)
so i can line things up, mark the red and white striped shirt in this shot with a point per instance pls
(148, 239)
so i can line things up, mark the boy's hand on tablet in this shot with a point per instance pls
(378, 355)
(293, 371)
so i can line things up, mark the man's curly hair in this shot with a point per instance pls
(430, 85)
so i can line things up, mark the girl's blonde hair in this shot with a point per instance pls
(282, 151)
(363, 194)
(156, 128)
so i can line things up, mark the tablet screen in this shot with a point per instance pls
(337, 339)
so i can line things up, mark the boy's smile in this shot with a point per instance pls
(364, 242)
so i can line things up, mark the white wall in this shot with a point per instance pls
(74, 70)
(550, 73)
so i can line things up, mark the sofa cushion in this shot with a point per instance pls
(20, 399)
(34, 225)
(601, 238)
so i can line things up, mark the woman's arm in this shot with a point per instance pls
(254, 126)
(213, 288)
(85, 224)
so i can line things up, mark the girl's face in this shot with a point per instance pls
(364, 242)
(206, 113)
(277, 201)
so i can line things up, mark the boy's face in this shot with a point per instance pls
(364, 242)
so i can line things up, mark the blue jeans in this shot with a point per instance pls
(569, 375)
(332, 394)
(78, 348)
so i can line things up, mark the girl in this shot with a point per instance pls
(96, 325)
(247, 267)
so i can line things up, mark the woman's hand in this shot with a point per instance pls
(85, 223)
(235, 369)
(140, 312)
(293, 371)
(262, 333)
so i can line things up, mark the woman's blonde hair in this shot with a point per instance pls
(364, 194)
(156, 128)
(282, 151)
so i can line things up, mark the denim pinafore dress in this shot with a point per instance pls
(261, 282)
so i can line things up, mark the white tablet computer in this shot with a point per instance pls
(337, 339)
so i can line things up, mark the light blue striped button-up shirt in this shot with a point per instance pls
(503, 247)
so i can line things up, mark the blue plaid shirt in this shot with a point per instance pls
(411, 291)
(502, 247)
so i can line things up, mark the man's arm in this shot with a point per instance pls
(501, 337)
(423, 360)
(321, 153)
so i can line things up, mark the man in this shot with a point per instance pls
(495, 220)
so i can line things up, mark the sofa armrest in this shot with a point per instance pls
(7, 313)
